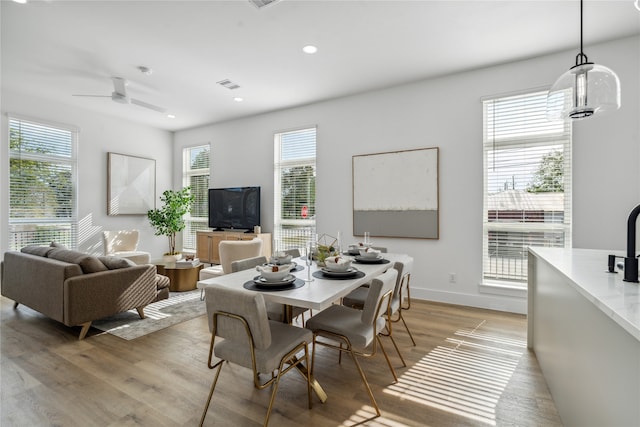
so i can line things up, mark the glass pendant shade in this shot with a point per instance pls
(583, 91)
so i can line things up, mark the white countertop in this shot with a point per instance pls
(586, 270)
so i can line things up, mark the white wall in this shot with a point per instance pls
(98, 135)
(445, 112)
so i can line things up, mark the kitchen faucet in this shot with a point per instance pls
(630, 261)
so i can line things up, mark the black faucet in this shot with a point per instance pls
(630, 261)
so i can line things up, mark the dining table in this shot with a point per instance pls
(318, 294)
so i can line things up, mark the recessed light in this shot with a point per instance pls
(238, 99)
(171, 116)
(310, 49)
(20, 1)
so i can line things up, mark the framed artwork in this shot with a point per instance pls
(131, 184)
(395, 194)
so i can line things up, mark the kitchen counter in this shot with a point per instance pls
(584, 327)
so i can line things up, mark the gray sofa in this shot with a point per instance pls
(75, 288)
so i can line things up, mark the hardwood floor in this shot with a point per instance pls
(470, 368)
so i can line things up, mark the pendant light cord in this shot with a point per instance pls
(581, 58)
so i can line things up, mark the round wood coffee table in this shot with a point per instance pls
(181, 278)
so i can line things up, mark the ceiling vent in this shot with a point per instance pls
(262, 3)
(228, 84)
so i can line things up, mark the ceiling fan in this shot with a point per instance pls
(119, 95)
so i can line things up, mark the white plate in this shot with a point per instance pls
(350, 272)
(288, 279)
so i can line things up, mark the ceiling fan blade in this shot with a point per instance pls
(119, 85)
(146, 105)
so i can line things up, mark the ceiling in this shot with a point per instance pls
(53, 49)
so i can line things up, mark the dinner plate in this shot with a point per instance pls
(288, 279)
(295, 267)
(378, 260)
(349, 272)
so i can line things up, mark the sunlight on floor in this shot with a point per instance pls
(465, 377)
(368, 412)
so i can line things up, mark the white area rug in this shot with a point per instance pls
(179, 307)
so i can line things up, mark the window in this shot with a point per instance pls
(42, 184)
(195, 174)
(527, 184)
(294, 188)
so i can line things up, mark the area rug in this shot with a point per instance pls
(179, 307)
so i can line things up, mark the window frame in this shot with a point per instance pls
(518, 136)
(307, 225)
(70, 161)
(201, 223)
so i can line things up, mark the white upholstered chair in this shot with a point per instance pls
(124, 244)
(230, 250)
(354, 331)
(250, 340)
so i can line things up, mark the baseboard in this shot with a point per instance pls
(490, 302)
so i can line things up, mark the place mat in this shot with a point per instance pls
(371, 261)
(253, 286)
(297, 268)
(320, 275)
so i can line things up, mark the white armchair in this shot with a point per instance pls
(124, 244)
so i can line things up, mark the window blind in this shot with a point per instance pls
(527, 183)
(295, 188)
(42, 184)
(196, 175)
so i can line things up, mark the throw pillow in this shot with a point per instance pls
(88, 263)
(114, 262)
(36, 250)
(58, 245)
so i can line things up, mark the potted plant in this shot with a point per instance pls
(168, 220)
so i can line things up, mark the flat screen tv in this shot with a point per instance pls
(235, 208)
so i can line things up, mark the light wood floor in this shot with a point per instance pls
(470, 368)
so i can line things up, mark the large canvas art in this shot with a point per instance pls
(395, 194)
(131, 184)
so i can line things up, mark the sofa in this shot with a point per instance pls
(75, 288)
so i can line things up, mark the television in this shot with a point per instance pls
(234, 208)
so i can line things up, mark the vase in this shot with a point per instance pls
(171, 258)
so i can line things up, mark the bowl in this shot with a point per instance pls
(369, 253)
(280, 258)
(337, 263)
(274, 273)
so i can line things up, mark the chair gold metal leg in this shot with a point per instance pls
(384, 352)
(407, 328)
(213, 386)
(398, 350)
(366, 384)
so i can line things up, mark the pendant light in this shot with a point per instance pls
(586, 89)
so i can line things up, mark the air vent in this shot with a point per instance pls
(262, 3)
(228, 84)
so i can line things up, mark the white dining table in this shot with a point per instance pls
(315, 295)
(318, 294)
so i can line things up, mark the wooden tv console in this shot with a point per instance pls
(207, 243)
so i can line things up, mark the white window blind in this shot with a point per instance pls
(295, 188)
(195, 174)
(527, 184)
(42, 184)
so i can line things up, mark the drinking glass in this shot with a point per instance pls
(367, 238)
(308, 259)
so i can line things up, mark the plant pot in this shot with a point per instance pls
(171, 258)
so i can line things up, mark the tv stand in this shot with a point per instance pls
(207, 243)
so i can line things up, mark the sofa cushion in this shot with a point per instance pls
(58, 245)
(114, 262)
(36, 250)
(88, 263)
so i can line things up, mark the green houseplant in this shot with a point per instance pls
(168, 220)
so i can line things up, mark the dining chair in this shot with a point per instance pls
(275, 311)
(357, 332)
(230, 250)
(251, 340)
(357, 297)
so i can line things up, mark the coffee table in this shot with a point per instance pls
(181, 278)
